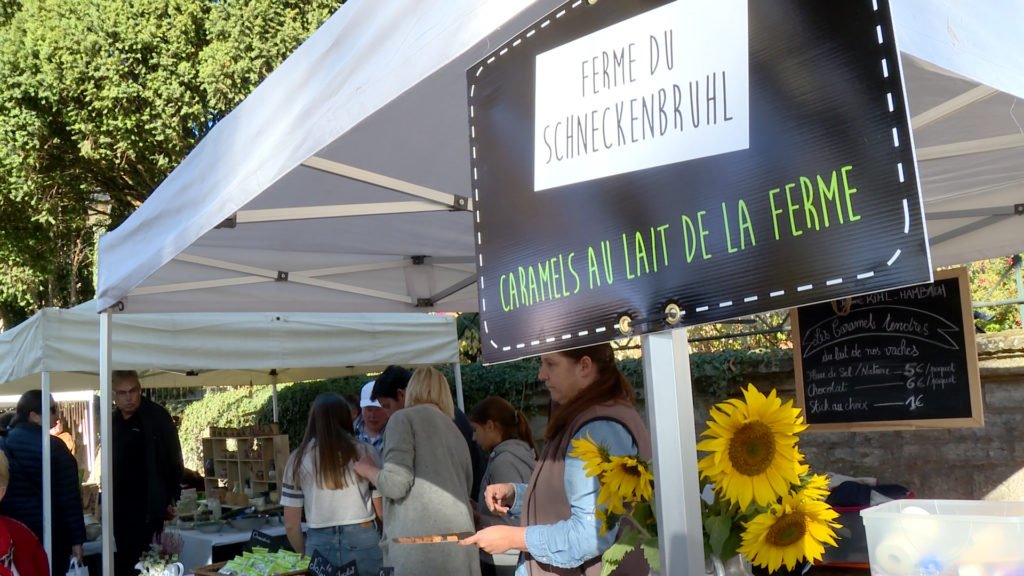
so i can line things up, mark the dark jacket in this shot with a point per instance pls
(476, 458)
(24, 499)
(164, 465)
(510, 461)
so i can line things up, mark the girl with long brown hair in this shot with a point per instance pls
(319, 479)
(560, 529)
(505, 433)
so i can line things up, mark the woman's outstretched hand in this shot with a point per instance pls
(498, 539)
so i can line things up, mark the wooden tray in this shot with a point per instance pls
(211, 570)
(433, 539)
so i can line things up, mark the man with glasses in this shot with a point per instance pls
(147, 467)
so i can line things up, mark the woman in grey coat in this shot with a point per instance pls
(425, 481)
(505, 432)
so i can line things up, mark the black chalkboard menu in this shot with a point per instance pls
(897, 359)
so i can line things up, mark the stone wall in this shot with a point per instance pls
(965, 463)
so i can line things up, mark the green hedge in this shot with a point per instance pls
(715, 374)
(512, 381)
(230, 407)
(293, 403)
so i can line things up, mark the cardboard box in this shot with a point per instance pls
(907, 537)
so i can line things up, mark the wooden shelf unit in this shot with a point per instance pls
(259, 459)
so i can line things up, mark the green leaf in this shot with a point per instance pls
(717, 530)
(613, 556)
(731, 545)
(607, 568)
(643, 513)
(650, 548)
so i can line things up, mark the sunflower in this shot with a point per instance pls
(610, 500)
(753, 448)
(816, 487)
(794, 530)
(602, 515)
(629, 478)
(594, 456)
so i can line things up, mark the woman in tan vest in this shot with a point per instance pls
(559, 531)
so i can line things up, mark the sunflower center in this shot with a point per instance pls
(752, 448)
(632, 469)
(787, 530)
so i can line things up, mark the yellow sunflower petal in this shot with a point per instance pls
(593, 455)
(795, 530)
(753, 438)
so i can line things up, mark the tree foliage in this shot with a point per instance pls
(101, 99)
(995, 280)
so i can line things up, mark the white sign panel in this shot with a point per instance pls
(666, 86)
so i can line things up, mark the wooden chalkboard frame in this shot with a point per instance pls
(970, 358)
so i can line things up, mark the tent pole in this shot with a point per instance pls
(106, 451)
(457, 370)
(47, 471)
(90, 441)
(273, 396)
(669, 398)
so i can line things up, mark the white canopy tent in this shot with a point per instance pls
(58, 350)
(342, 182)
(220, 349)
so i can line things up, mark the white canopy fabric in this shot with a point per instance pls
(222, 349)
(343, 181)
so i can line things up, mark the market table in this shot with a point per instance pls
(198, 548)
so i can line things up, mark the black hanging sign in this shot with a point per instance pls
(643, 165)
(898, 359)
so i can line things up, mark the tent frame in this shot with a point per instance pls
(429, 200)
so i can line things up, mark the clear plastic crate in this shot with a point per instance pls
(945, 537)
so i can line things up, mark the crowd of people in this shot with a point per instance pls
(147, 472)
(369, 481)
(426, 478)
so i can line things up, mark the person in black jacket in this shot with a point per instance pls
(147, 468)
(23, 448)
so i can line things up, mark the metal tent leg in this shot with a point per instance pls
(670, 410)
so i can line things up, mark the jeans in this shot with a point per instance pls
(343, 544)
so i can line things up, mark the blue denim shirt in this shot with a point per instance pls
(569, 543)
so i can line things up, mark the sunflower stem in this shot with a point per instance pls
(643, 531)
